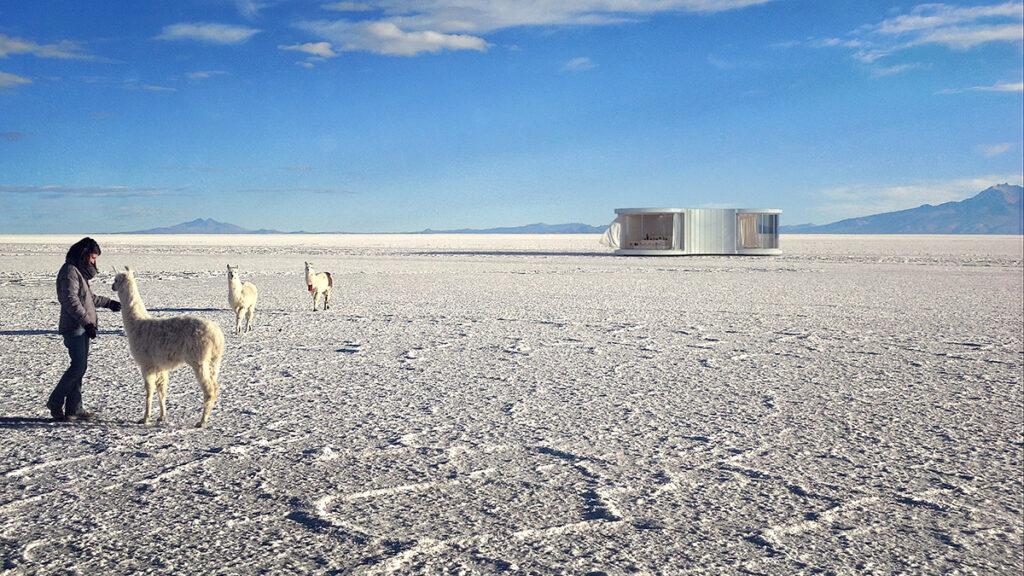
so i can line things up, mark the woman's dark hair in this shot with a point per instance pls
(79, 251)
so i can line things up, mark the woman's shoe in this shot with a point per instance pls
(83, 417)
(56, 412)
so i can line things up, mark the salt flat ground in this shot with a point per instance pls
(531, 404)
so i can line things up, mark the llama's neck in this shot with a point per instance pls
(132, 307)
(310, 274)
(234, 290)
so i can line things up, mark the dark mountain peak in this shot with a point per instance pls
(1007, 193)
(995, 210)
(203, 226)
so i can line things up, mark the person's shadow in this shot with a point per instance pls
(22, 422)
(26, 421)
(48, 332)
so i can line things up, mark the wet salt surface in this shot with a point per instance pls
(487, 404)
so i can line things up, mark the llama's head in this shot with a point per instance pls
(123, 279)
(232, 272)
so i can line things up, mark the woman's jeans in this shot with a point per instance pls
(68, 392)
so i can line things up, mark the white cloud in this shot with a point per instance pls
(62, 191)
(853, 201)
(156, 88)
(1000, 87)
(387, 38)
(884, 71)
(991, 150)
(11, 80)
(320, 49)
(935, 16)
(969, 37)
(208, 32)
(204, 74)
(579, 64)
(955, 27)
(347, 7)
(250, 8)
(410, 27)
(64, 50)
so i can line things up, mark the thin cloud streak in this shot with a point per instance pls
(1013, 87)
(208, 32)
(320, 49)
(12, 80)
(956, 28)
(63, 50)
(579, 64)
(413, 27)
(993, 150)
(51, 191)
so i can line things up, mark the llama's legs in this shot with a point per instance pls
(162, 391)
(316, 296)
(150, 379)
(327, 299)
(249, 318)
(204, 374)
(238, 319)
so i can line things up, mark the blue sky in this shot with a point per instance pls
(380, 115)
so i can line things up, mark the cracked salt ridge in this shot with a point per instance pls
(830, 378)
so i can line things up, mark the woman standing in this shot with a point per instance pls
(78, 325)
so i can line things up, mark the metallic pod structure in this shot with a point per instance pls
(693, 231)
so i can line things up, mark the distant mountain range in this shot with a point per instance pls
(539, 228)
(211, 226)
(995, 210)
(204, 226)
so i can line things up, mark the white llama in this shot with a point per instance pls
(160, 345)
(319, 283)
(242, 298)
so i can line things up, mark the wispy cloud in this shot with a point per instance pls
(894, 70)
(955, 27)
(64, 50)
(208, 32)
(992, 150)
(12, 80)
(411, 27)
(579, 64)
(347, 7)
(299, 168)
(52, 191)
(204, 74)
(388, 39)
(1000, 87)
(320, 49)
(861, 200)
(250, 9)
(11, 136)
(329, 191)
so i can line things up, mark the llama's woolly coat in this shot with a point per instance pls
(160, 345)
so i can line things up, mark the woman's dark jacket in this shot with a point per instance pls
(77, 302)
